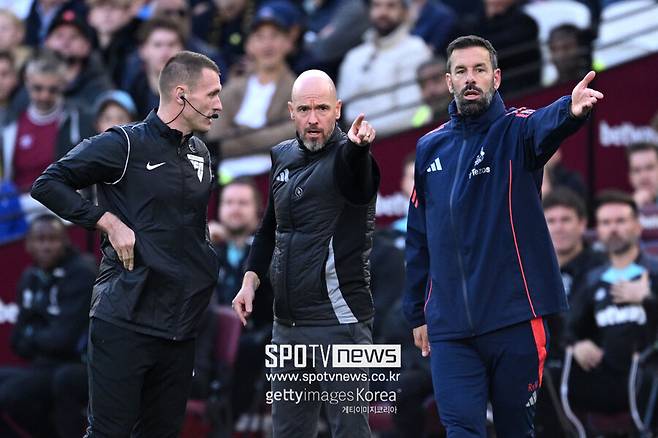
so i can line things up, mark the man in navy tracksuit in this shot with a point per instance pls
(481, 270)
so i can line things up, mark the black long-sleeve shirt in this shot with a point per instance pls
(353, 173)
(317, 232)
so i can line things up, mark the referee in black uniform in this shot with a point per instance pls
(158, 269)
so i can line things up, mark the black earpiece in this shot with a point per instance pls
(212, 116)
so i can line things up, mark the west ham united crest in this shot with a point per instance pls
(197, 163)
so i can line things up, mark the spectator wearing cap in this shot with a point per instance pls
(47, 129)
(179, 10)
(71, 37)
(159, 39)
(256, 115)
(295, 22)
(41, 16)
(333, 28)
(12, 33)
(225, 24)
(379, 76)
(115, 24)
(114, 107)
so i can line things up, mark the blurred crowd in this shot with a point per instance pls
(69, 69)
(72, 69)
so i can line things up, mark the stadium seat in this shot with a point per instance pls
(549, 15)
(198, 421)
(617, 424)
(628, 30)
(650, 247)
(649, 221)
(380, 421)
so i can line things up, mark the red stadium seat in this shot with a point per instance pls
(649, 221)
(197, 422)
(379, 418)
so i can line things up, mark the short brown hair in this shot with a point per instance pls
(616, 197)
(46, 62)
(641, 147)
(157, 23)
(251, 183)
(17, 22)
(184, 68)
(464, 42)
(567, 198)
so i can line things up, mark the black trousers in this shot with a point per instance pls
(70, 399)
(138, 384)
(25, 400)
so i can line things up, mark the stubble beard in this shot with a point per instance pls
(473, 108)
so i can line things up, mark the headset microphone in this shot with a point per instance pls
(212, 116)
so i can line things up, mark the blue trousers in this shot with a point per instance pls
(504, 366)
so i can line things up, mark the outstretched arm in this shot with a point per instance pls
(543, 130)
(357, 173)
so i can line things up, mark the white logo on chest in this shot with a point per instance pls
(198, 164)
(150, 166)
(479, 157)
(478, 160)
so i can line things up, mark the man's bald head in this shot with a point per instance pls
(315, 82)
(314, 108)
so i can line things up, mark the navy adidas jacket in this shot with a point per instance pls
(479, 255)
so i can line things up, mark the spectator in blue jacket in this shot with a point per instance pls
(481, 270)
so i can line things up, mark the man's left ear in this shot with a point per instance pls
(339, 105)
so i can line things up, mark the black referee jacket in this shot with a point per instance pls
(158, 184)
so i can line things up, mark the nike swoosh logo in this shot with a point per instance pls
(154, 166)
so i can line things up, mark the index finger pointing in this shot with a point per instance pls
(357, 122)
(587, 79)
